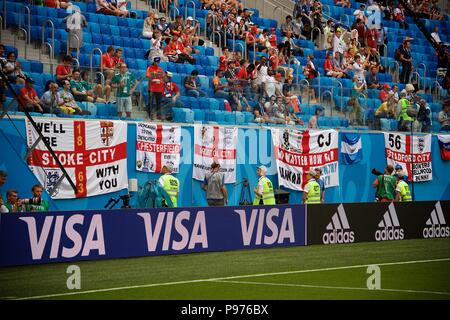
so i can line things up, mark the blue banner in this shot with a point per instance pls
(105, 234)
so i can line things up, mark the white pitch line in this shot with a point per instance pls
(330, 287)
(227, 278)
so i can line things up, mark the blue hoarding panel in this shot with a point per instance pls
(89, 235)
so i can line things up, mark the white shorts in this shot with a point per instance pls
(123, 104)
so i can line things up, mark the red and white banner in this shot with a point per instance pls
(157, 145)
(298, 152)
(215, 143)
(414, 155)
(94, 154)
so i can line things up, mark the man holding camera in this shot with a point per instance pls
(13, 203)
(36, 203)
(385, 184)
(214, 185)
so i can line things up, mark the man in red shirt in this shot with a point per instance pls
(170, 98)
(64, 70)
(224, 58)
(155, 75)
(372, 37)
(28, 99)
(118, 57)
(108, 64)
(384, 93)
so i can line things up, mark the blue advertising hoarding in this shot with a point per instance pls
(105, 234)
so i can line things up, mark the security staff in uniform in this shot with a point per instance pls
(311, 193)
(264, 189)
(403, 193)
(170, 184)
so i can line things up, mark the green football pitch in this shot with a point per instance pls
(409, 269)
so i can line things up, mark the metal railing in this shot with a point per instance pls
(341, 87)
(437, 93)
(385, 53)
(415, 73)
(424, 72)
(16, 37)
(220, 40)
(27, 40)
(52, 25)
(325, 93)
(141, 96)
(175, 10)
(397, 70)
(186, 6)
(320, 37)
(78, 45)
(365, 106)
(50, 50)
(242, 48)
(1, 28)
(5, 14)
(302, 83)
(91, 55)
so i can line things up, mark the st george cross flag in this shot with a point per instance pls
(444, 146)
(351, 148)
(413, 153)
(215, 143)
(298, 152)
(94, 154)
(157, 145)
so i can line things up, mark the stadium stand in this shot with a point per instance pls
(103, 31)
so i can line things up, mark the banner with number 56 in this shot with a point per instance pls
(412, 153)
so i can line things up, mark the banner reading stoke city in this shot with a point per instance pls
(94, 154)
(298, 152)
(157, 145)
(215, 143)
(413, 155)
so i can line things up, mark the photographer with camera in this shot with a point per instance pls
(214, 185)
(385, 184)
(36, 203)
(3, 176)
(13, 203)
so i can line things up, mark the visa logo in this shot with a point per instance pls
(65, 226)
(274, 225)
(165, 222)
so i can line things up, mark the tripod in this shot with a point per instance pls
(246, 197)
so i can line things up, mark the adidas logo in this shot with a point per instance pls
(339, 229)
(389, 227)
(438, 226)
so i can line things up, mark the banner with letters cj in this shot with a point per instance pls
(414, 155)
(157, 145)
(94, 154)
(298, 152)
(215, 143)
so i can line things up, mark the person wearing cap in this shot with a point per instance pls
(264, 190)
(155, 75)
(405, 60)
(170, 98)
(404, 120)
(170, 184)
(214, 185)
(28, 98)
(311, 191)
(126, 84)
(402, 189)
(385, 110)
(321, 183)
(384, 92)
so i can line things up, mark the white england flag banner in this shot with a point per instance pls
(156, 146)
(215, 143)
(298, 152)
(414, 155)
(94, 154)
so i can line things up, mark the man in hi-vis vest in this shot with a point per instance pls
(311, 192)
(170, 184)
(264, 190)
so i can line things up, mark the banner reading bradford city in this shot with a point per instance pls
(94, 154)
(157, 145)
(214, 143)
(298, 152)
(414, 155)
